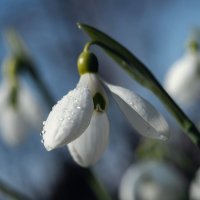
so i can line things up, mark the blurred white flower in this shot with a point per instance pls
(17, 121)
(152, 180)
(80, 120)
(182, 81)
(195, 187)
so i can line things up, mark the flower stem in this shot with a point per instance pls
(138, 71)
(41, 85)
(180, 116)
(19, 51)
(93, 181)
(97, 187)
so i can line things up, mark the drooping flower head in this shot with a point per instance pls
(79, 120)
(194, 187)
(152, 180)
(19, 110)
(183, 79)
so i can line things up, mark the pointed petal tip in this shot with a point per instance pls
(48, 148)
(79, 25)
(140, 113)
(90, 146)
(68, 119)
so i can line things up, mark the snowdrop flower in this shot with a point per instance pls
(182, 81)
(80, 118)
(194, 187)
(19, 117)
(152, 180)
(16, 122)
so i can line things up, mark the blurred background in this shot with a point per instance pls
(155, 31)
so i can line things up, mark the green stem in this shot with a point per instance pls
(176, 111)
(19, 52)
(152, 83)
(97, 187)
(94, 183)
(41, 85)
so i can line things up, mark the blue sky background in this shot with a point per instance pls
(155, 31)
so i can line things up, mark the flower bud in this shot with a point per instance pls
(87, 63)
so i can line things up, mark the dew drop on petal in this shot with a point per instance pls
(42, 141)
(42, 133)
(78, 107)
(44, 122)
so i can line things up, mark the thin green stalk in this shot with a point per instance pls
(181, 117)
(93, 181)
(41, 85)
(97, 187)
(138, 71)
(20, 53)
(152, 84)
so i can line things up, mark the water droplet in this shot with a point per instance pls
(44, 122)
(78, 107)
(42, 141)
(43, 132)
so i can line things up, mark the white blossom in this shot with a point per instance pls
(79, 120)
(152, 180)
(182, 81)
(194, 187)
(17, 121)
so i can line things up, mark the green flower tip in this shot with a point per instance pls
(193, 45)
(99, 102)
(87, 63)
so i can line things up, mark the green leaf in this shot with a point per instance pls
(137, 70)
(16, 44)
(121, 55)
(20, 54)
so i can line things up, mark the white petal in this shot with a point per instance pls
(89, 147)
(5, 89)
(29, 106)
(12, 123)
(92, 82)
(13, 126)
(68, 119)
(194, 187)
(182, 80)
(152, 180)
(140, 113)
